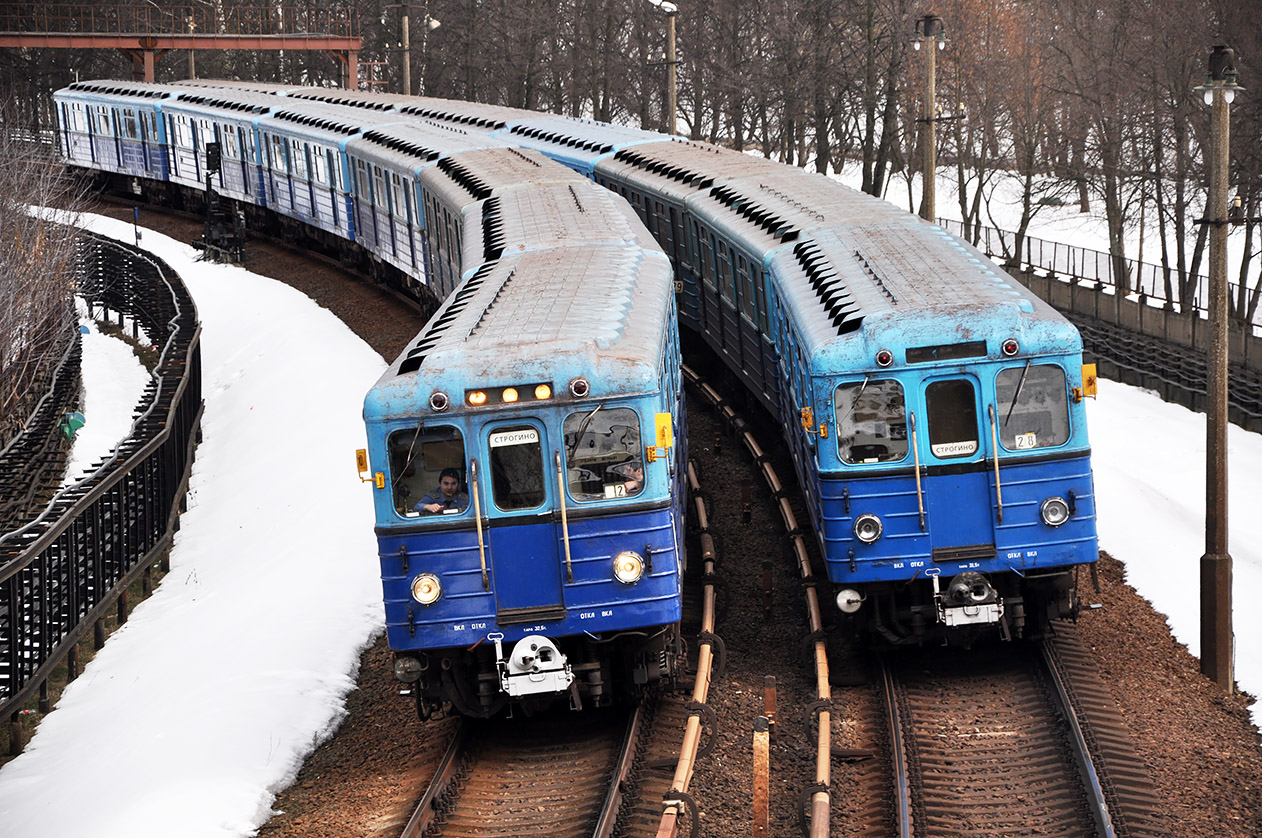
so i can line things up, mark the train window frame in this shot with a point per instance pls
(103, 121)
(130, 128)
(515, 438)
(276, 154)
(950, 414)
(320, 170)
(875, 397)
(1007, 407)
(363, 181)
(437, 451)
(380, 190)
(399, 198)
(298, 158)
(745, 284)
(610, 475)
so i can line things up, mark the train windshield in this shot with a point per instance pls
(1033, 406)
(516, 467)
(871, 421)
(602, 454)
(952, 410)
(419, 457)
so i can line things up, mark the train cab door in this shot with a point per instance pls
(522, 540)
(957, 488)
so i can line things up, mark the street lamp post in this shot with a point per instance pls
(671, 11)
(931, 28)
(405, 41)
(1216, 633)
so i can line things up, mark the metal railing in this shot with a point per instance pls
(1143, 279)
(250, 21)
(63, 571)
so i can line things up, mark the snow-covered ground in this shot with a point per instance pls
(205, 704)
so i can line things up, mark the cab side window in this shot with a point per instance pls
(603, 454)
(871, 422)
(418, 458)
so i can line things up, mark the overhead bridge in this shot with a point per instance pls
(145, 33)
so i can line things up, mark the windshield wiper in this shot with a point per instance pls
(582, 431)
(854, 405)
(1017, 394)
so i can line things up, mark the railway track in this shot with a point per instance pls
(560, 776)
(1024, 740)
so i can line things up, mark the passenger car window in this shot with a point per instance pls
(516, 467)
(871, 422)
(952, 418)
(1034, 412)
(602, 454)
(418, 457)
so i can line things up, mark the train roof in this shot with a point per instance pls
(266, 87)
(335, 122)
(856, 289)
(113, 88)
(473, 115)
(679, 168)
(539, 316)
(468, 176)
(577, 213)
(364, 99)
(230, 103)
(412, 145)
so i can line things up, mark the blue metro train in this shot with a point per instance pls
(527, 449)
(932, 405)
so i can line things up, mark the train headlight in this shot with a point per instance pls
(477, 397)
(510, 394)
(543, 391)
(628, 567)
(426, 589)
(438, 401)
(579, 388)
(1054, 511)
(867, 528)
(849, 600)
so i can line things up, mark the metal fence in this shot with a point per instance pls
(1143, 279)
(62, 572)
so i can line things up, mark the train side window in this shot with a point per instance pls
(871, 421)
(418, 457)
(951, 406)
(726, 286)
(517, 475)
(746, 285)
(602, 454)
(363, 188)
(103, 121)
(320, 166)
(129, 124)
(400, 195)
(278, 155)
(298, 158)
(707, 260)
(380, 196)
(1033, 406)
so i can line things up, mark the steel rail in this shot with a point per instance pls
(898, 753)
(668, 827)
(1078, 743)
(609, 810)
(426, 812)
(820, 798)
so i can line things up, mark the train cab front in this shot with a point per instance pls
(530, 550)
(959, 497)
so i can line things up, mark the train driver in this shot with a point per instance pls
(447, 497)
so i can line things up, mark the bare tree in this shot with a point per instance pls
(36, 281)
